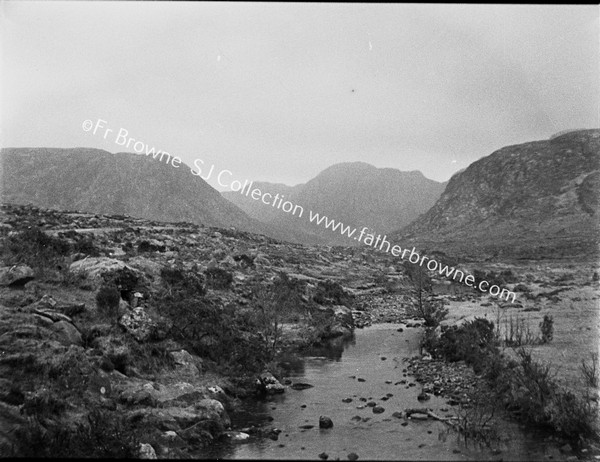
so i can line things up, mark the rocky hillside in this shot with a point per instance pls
(355, 193)
(532, 200)
(127, 337)
(97, 181)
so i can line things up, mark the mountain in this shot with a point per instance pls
(255, 208)
(354, 193)
(93, 180)
(532, 200)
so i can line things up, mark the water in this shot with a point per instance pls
(375, 436)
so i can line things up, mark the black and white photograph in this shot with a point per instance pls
(299, 231)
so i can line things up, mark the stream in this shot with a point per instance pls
(375, 354)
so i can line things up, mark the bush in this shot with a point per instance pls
(180, 283)
(547, 328)
(102, 436)
(472, 342)
(432, 311)
(35, 248)
(517, 333)
(218, 278)
(590, 371)
(107, 301)
(331, 293)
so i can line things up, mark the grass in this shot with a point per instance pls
(590, 371)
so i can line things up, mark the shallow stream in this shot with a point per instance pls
(376, 355)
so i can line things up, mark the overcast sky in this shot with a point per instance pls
(281, 92)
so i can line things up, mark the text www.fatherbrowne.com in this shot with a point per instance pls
(381, 243)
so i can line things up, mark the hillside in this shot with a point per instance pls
(96, 181)
(536, 199)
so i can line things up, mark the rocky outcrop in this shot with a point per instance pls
(13, 276)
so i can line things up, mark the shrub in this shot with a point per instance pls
(517, 333)
(331, 293)
(180, 283)
(102, 436)
(35, 248)
(474, 341)
(432, 311)
(218, 278)
(590, 371)
(107, 301)
(547, 328)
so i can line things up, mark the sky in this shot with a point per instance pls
(279, 92)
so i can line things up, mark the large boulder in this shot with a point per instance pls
(67, 333)
(339, 321)
(187, 366)
(99, 270)
(14, 276)
(267, 383)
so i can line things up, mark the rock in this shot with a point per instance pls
(54, 315)
(236, 436)
(325, 422)
(146, 451)
(301, 386)
(15, 276)
(267, 383)
(378, 410)
(398, 415)
(323, 456)
(95, 268)
(138, 324)
(261, 260)
(566, 449)
(186, 364)
(306, 427)
(423, 396)
(419, 416)
(347, 400)
(352, 456)
(67, 333)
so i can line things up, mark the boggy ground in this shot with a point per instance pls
(566, 291)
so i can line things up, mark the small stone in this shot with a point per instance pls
(325, 422)
(352, 456)
(423, 396)
(347, 400)
(301, 386)
(378, 410)
(323, 456)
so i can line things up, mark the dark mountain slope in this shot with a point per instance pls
(537, 199)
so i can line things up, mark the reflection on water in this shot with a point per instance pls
(375, 355)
